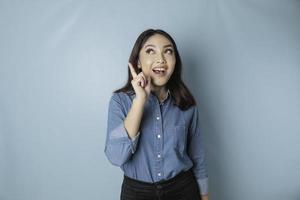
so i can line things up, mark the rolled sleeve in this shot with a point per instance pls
(197, 154)
(120, 133)
(203, 186)
(119, 147)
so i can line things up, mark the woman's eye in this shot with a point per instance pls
(170, 51)
(148, 51)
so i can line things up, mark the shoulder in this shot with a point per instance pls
(191, 114)
(123, 99)
(191, 110)
(122, 96)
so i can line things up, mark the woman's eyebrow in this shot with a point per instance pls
(168, 45)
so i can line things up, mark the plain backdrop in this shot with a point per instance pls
(61, 60)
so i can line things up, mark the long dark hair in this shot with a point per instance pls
(178, 90)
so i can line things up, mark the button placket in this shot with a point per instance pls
(158, 138)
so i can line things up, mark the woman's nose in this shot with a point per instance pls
(161, 59)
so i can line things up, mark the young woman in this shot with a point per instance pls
(153, 131)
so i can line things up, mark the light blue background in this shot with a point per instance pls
(60, 61)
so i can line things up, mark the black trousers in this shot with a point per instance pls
(182, 187)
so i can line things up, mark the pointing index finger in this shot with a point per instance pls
(133, 73)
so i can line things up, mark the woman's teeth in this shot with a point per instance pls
(159, 71)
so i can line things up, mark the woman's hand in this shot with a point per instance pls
(204, 197)
(140, 84)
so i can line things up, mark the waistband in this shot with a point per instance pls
(182, 176)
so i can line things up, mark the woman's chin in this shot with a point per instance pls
(158, 84)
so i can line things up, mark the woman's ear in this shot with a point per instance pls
(139, 64)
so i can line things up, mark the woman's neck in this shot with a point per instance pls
(160, 92)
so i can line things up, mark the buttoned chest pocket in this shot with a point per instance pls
(179, 139)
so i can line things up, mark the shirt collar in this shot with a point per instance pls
(168, 94)
(152, 96)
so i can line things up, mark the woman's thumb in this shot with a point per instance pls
(149, 79)
(148, 83)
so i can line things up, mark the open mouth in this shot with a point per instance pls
(159, 71)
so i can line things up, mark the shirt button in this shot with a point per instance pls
(158, 155)
(157, 118)
(158, 136)
(159, 174)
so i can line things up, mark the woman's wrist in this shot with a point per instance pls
(204, 197)
(140, 100)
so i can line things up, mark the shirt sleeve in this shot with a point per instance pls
(119, 147)
(197, 154)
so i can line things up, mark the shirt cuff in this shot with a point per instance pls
(134, 142)
(203, 186)
(120, 133)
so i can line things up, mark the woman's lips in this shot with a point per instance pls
(159, 73)
(159, 70)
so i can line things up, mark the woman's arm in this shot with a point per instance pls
(197, 154)
(134, 117)
(122, 130)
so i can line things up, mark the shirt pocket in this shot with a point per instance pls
(179, 139)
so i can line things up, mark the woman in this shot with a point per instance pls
(153, 131)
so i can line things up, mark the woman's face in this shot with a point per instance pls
(157, 59)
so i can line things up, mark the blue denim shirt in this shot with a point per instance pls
(169, 141)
